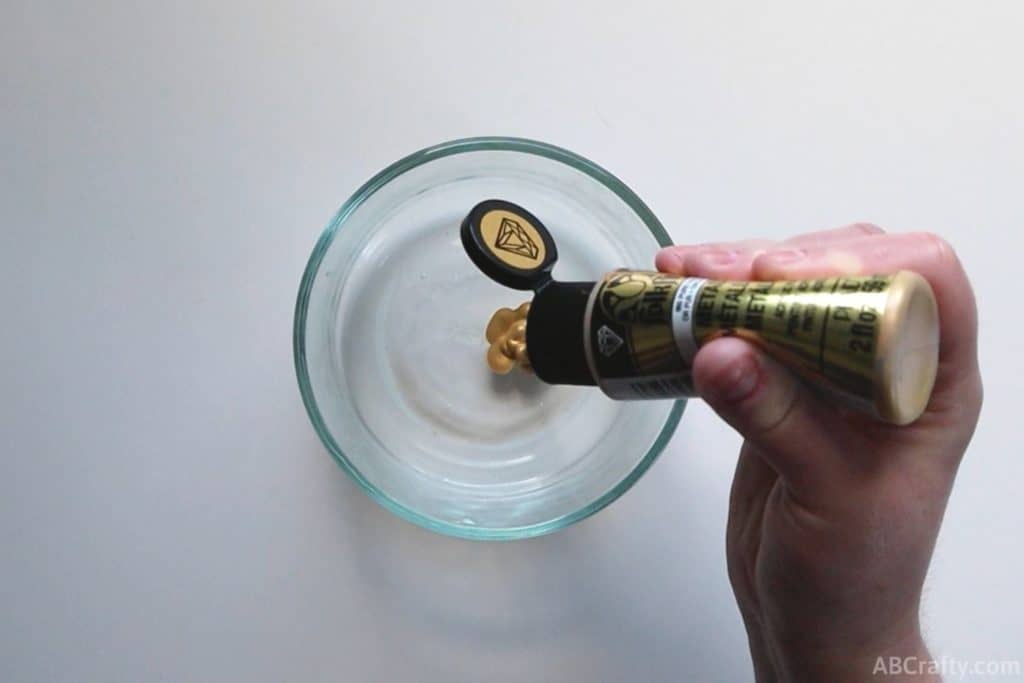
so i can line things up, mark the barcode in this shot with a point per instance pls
(667, 385)
(660, 387)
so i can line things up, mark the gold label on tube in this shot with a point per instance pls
(827, 327)
(631, 344)
(644, 329)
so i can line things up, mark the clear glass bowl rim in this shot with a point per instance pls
(424, 156)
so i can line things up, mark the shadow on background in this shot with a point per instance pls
(615, 597)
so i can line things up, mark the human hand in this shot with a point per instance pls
(833, 517)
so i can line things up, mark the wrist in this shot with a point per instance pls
(900, 657)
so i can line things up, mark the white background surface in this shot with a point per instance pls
(166, 511)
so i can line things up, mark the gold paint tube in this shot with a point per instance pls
(871, 340)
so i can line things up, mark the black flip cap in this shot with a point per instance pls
(554, 333)
(509, 244)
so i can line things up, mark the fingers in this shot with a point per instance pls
(862, 248)
(924, 253)
(734, 260)
(720, 261)
(793, 431)
(824, 238)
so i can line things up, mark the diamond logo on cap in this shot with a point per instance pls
(514, 239)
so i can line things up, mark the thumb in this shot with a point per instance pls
(772, 409)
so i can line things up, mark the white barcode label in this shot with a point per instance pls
(683, 308)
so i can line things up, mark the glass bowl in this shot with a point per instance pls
(390, 349)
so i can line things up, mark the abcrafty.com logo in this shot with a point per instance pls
(949, 668)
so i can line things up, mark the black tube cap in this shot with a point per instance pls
(509, 244)
(555, 335)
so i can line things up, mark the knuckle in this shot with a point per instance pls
(941, 249)
(865, 228)
(760, 261)
(763, 266)
(769, 264)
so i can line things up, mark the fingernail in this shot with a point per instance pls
(669, 260)
(787, 256)
(717, 257)
(740, 380)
